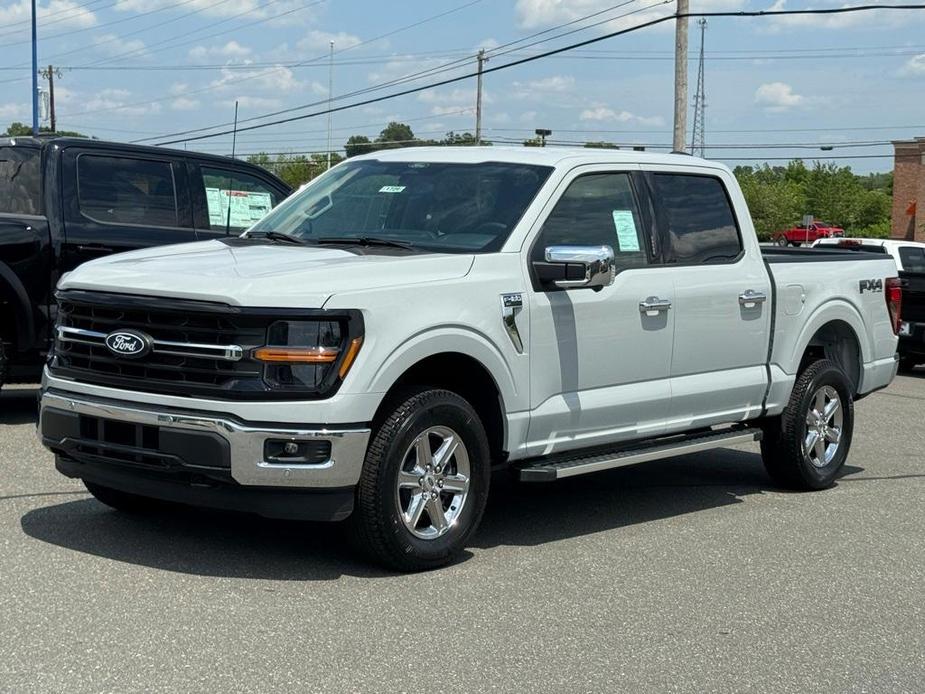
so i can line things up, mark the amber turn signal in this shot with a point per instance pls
(297, 355)
(351, 355)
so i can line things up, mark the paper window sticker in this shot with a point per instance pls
(391, 189)
(625, 225)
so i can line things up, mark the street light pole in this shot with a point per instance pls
(330, 98)
(35, 76)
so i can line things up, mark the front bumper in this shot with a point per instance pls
(216, 448)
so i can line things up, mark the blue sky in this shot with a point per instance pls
(143, 68)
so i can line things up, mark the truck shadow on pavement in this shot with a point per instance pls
(208, 543)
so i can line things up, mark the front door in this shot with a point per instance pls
(120, 201)
(599, 362)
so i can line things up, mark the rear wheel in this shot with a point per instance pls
(122, 501)
(808, 444)
(424, 483)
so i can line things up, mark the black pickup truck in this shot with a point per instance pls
(64, 201)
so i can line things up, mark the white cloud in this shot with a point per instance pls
(111, 44)
(543, 88)
(276, 79)
(914, 66)
(527, 117)
(232, 49)
(209, 8)
(604, 114)
(67, 13)
(777, 97)
(533, 14)
(848, 20)
(183, 103)
(14, 111)
(118, 100)
(452, 102)
(321, 40)
(249, 101)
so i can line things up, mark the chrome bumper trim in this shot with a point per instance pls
(248, 467)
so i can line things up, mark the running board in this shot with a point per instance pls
(573, 463)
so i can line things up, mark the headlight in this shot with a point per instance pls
(307, 355)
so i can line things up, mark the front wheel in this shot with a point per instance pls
(806, 447)
(424, 482)
(782, 241)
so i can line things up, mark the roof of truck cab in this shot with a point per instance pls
(543, 156)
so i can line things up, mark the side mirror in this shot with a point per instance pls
(582, 266)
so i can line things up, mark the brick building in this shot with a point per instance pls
(909, 189)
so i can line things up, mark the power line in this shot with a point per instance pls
(562, 49)
(400, 80)
(298, 64)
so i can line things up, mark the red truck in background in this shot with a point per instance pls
(798, 234)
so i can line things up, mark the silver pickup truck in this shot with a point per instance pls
(414, 319)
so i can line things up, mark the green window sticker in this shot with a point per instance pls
(627, 238)
(391, 189)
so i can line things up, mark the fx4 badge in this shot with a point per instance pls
(871, 286)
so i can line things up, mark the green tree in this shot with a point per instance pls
(18, 129)
(358, 144)
(601, 145)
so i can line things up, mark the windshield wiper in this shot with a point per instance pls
(277, 236)
(366, 241)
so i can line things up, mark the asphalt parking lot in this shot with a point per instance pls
(687, 575)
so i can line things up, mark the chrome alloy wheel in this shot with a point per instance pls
(823, 427)
(433, 482)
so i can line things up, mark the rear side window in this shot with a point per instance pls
(913, 259)
(700, 224)
(120, 190)
(20, 180)
(596, 210)
(236, 200)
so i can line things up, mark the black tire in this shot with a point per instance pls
(907, 364)
(123, 501)
(4, 364)
(782, 241)
(377, 522)
(782, 447)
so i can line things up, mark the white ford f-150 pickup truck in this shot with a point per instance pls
(414, 319)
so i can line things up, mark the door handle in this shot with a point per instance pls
(95, 248)
(750, 298)
(652, 306)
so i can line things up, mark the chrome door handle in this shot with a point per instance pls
(652, 306)
(750, 298)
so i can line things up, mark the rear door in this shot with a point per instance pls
(599, 363)
(722, 304)
(121, 200)
(229, 199)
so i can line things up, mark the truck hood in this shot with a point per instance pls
(280, 276)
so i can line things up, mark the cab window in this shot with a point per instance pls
(236, 200)
(121, 190)
(596, 209)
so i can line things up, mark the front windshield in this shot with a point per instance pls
(450, 208)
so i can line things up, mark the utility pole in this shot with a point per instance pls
(680, 77)
(50, 75)
(478, 98)
(35, 77)
(698, 146)
(330, 101)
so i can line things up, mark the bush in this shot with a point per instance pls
(878, 230)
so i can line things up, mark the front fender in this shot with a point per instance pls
(442, 340)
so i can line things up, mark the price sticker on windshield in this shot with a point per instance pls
(391, 189)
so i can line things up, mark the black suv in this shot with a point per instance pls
(64, 201)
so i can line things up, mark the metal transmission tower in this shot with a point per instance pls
(697, 136)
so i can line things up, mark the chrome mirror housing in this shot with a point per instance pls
(597, 262)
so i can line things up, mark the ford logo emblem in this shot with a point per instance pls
(128, 343)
